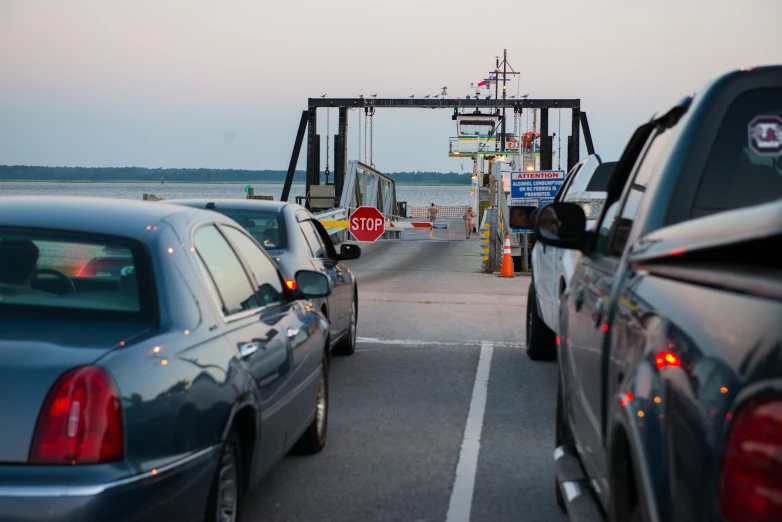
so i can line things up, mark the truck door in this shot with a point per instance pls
(545, 260)
(591, 304)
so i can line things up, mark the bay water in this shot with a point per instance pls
(415, 195)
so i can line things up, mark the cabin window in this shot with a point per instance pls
(476, 127)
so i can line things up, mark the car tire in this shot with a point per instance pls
(347, 346)
(541, 341)
(313, 440)
(225, 496)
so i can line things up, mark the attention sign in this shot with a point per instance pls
(542, 184)
(531, 190)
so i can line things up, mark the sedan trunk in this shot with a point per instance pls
(33, 354)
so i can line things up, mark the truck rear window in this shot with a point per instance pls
(50, 274)
(600, 178)
(745, 163)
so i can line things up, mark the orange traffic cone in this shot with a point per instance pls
(507, 262)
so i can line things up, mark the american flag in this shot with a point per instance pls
(487, 83)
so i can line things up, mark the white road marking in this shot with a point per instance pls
(422, 342)
(460, 506)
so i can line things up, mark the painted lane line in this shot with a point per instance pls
(460, 506)
(414, 342)
(422, 342)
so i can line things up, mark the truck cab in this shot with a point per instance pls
(669, 333)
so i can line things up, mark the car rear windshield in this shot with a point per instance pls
(52, 274)
(267, 227)
(745, 162)
(599, 180)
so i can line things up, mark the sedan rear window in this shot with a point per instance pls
(44, 273)
(268, 228)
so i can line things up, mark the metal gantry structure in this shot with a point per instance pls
(309, 121)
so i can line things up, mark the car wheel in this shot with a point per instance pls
(348, 345)
(314, 438)
(541, 341)
(224, 498)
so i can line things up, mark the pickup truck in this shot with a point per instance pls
(669, 403)
(552, 268)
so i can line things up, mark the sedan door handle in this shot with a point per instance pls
(247, 349)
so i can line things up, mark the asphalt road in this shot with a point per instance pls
(412, 435)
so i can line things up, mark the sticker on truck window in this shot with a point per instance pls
(765, 135)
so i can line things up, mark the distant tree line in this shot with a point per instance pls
(97, 174)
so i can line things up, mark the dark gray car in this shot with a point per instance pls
(295, 238)
(153, 364)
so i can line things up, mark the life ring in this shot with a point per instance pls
(513, 145)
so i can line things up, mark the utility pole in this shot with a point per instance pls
(496, 166)
(504, 76)
(496, 73)
(559, 152)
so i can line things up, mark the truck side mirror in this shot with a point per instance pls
(561, 225)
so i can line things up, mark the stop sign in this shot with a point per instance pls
(367, 224)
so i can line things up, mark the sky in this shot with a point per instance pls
(208, 84)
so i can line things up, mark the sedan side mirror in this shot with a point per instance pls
(349, 251)
(561, 225)
(312, 284)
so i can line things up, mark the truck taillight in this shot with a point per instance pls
(751, 481)
(80, 421)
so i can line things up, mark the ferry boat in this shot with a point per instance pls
(479, 137)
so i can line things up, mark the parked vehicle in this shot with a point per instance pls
(160, 391)
(297, 241)
(669, 405)
(552, 267)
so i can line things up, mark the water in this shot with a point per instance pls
(416, 196)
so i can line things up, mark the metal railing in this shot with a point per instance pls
(303, 200)
(365, 186)
(337, 233)
(442, 212)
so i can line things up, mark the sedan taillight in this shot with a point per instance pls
(81, 420)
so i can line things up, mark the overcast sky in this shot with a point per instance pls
(195, 83)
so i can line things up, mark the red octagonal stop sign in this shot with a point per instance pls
(367, 224)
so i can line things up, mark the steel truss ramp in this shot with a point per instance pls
(366, 186)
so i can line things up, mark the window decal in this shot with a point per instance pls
(765, 135)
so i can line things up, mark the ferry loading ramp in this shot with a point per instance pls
(308, 123)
